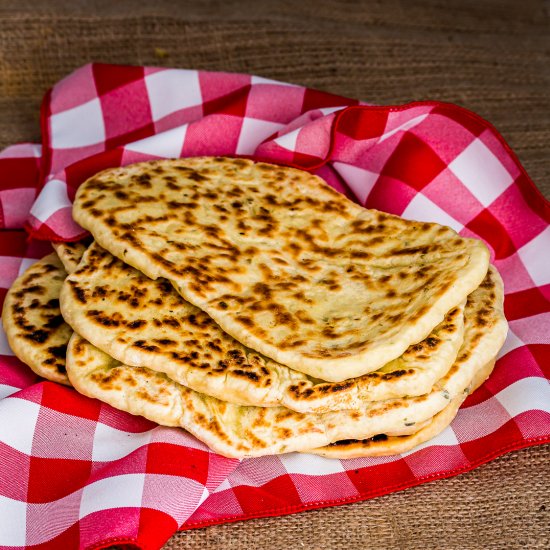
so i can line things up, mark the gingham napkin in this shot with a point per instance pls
(77, 473)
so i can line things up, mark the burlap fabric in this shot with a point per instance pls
(491, 57)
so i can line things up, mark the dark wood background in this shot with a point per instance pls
(490, 56)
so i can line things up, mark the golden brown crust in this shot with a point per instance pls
(281, 261)
(240, 431)
(32, 320)
(144, 322)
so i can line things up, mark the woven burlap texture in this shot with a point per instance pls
(491, 57)
(504, 504)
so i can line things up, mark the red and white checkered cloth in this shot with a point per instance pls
(77, 473)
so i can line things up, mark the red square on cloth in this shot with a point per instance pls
(110, 77)
(413, 162)
(360, 125)
(485, 223)
(234, 103)
(391, 472)
(276, 493)
(51, 479)
(64, 400)
(18, 172)
(170, 460)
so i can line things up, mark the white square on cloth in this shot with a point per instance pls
(78, 127)
(123, 491)
(172, 90)
(535, 260)
(253, 132)
(19, 434)
(481, 172)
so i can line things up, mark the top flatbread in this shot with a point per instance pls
(282, 262)
(33, 323)
(146, 323)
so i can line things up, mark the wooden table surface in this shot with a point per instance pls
(490, 56)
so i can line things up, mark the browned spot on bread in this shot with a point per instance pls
(196, 176)
(144, 395)
(107, 380)
(283, 433)
(165, 341)
(58, 352)
(54, 321)
(397, 374)
(432, 341)
(300, 393)
(254, 377)
(78, 292)
(101, 318)
(34, 289)
(246, 321)
(49, 268)
(141, 344)
(144, 180)
(217, 429)
(283, 415)
(78, 347)
(254, 440)
(138, 323)
(38, 335)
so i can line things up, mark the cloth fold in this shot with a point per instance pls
(77, 473)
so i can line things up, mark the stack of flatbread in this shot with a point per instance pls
(260, 310)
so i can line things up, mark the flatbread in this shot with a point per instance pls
(282, 262)
(392, 444)
(145, 322)
(238, 431)
(70, 254)
(32, 320)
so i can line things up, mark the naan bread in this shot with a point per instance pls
(282, 262)
(70, 254)
(145, 322)
(392, 444)
(33, 323)
(238, 431)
